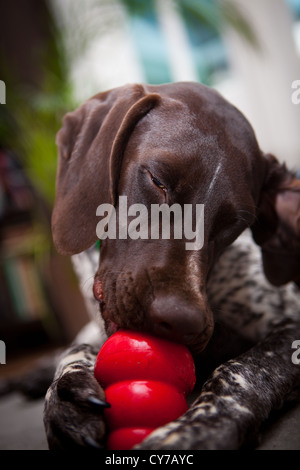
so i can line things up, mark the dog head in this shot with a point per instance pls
(179, 144)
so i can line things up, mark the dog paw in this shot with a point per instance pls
(164, 438)
(73, 413)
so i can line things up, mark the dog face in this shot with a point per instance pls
(172, 144)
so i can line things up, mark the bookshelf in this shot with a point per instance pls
(38, 291)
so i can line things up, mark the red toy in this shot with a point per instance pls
(146, 380)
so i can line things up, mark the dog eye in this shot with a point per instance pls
(158, 183)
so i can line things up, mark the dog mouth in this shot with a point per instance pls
(111, 327)
(195, 342)
(196, 347)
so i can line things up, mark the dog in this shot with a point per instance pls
(234, 303)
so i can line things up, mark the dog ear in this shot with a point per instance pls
(277, 227)
(91, 144)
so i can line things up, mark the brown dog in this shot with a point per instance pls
(176, 143)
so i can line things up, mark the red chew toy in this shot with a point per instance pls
(145, 379)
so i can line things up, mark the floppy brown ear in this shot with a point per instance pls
(91, 144)
(277, 228)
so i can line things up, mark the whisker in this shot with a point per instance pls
(84, 285)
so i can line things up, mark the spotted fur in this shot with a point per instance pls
(249, 355)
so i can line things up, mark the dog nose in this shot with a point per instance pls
(176, 319)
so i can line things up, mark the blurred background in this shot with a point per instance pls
(53, 55)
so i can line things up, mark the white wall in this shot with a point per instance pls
(260, 82)
(99, 45)
(263, 78)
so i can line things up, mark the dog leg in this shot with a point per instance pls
(74, 403)
(236, 399)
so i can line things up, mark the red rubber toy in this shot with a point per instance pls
(146, 380)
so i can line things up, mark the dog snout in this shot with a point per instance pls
(179, 320)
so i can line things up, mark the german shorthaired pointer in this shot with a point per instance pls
(235, 305)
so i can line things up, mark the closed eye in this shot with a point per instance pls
(158, 183)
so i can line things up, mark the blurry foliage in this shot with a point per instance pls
(32, 116)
